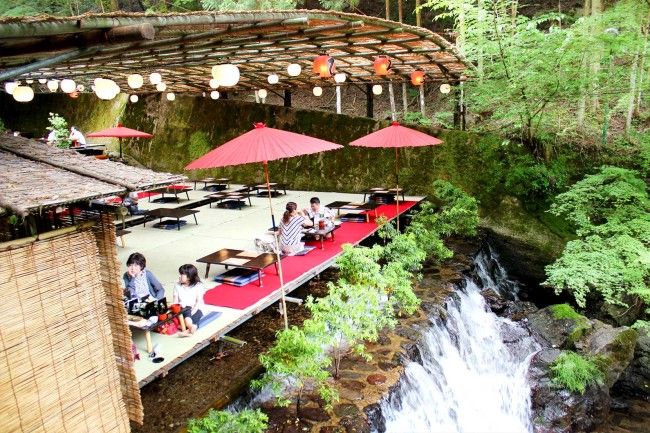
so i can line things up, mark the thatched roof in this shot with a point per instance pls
(34, 175)
(184, 47)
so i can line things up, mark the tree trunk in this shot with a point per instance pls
(400, 11)
(642, 73)
(418, 14)
(630, 107)
(387, 9)
(596, 9)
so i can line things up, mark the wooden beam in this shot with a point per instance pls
(16, 72)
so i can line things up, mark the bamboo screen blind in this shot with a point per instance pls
(58, 371)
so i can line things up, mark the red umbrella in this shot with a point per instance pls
(120, 132)
(396, 136)
(263, 144)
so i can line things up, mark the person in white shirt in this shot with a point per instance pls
(188, 292)
(317, 212)
(77, 136)
(51, 137)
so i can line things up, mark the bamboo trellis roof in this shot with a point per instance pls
(34, 175)
(184, 47)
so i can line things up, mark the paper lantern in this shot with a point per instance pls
(106, 89)
(161, 87)
(262, 93)
(417, 78)
(226, 75)
(74, 94)
(171, 96)
(29, 81)
(340, 77)
(273, 79)
(324, 66)
(377, 89)
(294, 69)
(445, 88)
(155, 78)
(135, 81)
(214, 94)
(23, 93)
(317, 91)
(68, 86)
(10, 86)
(80, 87)
(133, 98)
(382, 65)
(214, 83)
(42, 80)
(52, 85)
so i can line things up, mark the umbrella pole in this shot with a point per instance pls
(277, 247)
(397, 182)
(120, 141)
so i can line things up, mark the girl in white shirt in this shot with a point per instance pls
(188, 292)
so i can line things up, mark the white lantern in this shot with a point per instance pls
(80, 87)
(29, 81)
(23, 94)
(273, 79)
(42, 80)
(294, 70)
(52, 85)
(10, 86)
(135, 81)
(226, 75)
(68, 86)
(445, 88)
(161, 87)
(133, 98)
(106, 89)
(214, 94)
(377, 89)
(317, 91)
(171, 96)
(155, 78)
(214, 83)
(340, 77)
(262, 93)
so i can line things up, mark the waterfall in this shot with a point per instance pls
(469, 379)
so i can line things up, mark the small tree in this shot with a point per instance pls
(398, 284)
(405, 250)
(217, 421)
(60, 128)
(359, 265)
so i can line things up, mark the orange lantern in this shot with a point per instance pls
(74, 94)
(324, 66)
(417, 78)
(382, 65)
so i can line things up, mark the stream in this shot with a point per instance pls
(469, 380)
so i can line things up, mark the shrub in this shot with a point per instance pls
(459, 211)
(199, 145)
(60, 127)
(574, 372)
(566, 311)
(404, 249)
(246, 421)
(359, 265)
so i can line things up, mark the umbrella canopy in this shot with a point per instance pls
(396, 135)
(261, 144)
(120, 132)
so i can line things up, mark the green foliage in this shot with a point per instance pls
(417, 118)
(398, 284)
(530, 179)
(611, 257)
(459, 212)
(199, 145)
(641, 325)
(240, 5)
(359, 265)
(404, 249)
(60, 127)
(17, 8)
(566, 311)
(574, 372)
(339, 5)
(245, 421)
(2, 126)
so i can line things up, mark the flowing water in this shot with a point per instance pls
(469, 379)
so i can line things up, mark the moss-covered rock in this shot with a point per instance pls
(558, 326)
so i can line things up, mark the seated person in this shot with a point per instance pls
(291, 229)
(140, 282)
(316, 213)
(131, 203)
(77, 137)
(188, 292)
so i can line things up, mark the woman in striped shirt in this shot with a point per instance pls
(291, 229)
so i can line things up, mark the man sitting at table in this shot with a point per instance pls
(77, 137)
(316, 212)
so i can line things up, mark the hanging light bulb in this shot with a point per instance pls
(10, 86)
(417, 78)
(273, 79)
(155, 78)
(42, 80)
(445, 88)
(214, 83)
(324, 66)
(133, 98)
(53, 85)
(340, 77)
(68, 85)
(262, 93)
(135, 81)
(226, 75)
(171, 96)
(23, 93)
(377, 89)
(161, 87)
(382, 65)
(214, 94)
(317, 91)
(294, 69)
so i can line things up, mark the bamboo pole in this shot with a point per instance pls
(72, 54)
(338, 99)
(47, 235)
(422, 107)
(418, 14)
(391, 94)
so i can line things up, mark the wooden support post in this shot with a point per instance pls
(370, 110)
(338, 99)
(391, 94)
(287, 98)
(387, 9)
(422, 110)
(405, 101)
(418, 14)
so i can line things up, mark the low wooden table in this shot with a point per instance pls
(260, 189)
(171, 213)
(222, 181)
(388, 192)
(237, 196)
(240, 259)
(169, 190)
(121, 233)
(346, 205)
(322, 234)
(144, 325)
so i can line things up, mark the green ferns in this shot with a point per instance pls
(217, 421)
(574, 372)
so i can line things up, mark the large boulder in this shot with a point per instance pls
(556, 410)
(558, 326)
(635, 380)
